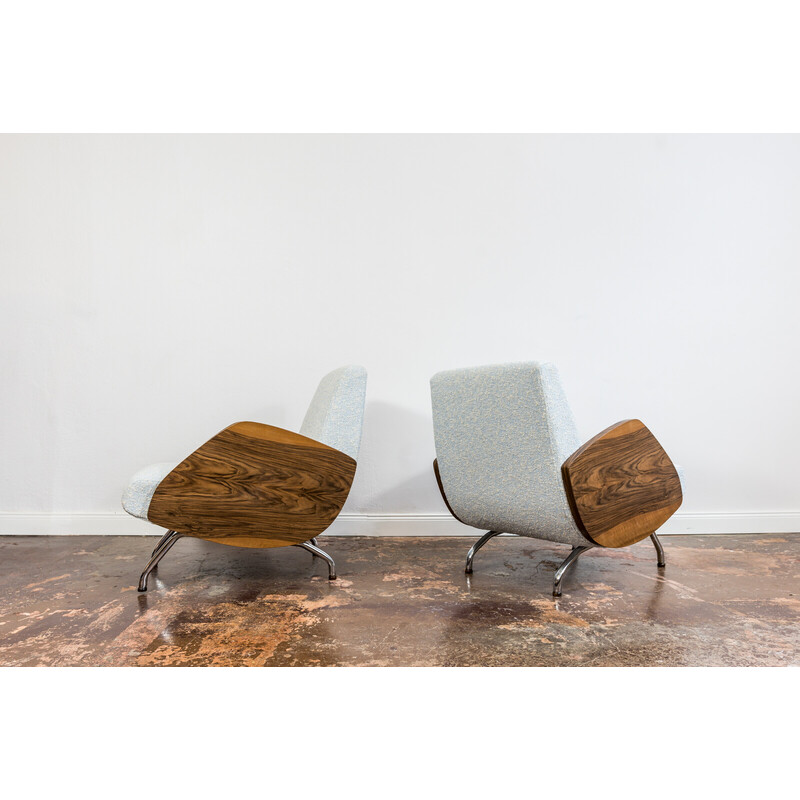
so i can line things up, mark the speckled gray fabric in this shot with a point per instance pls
(142, 487)
(502, 433)
(336, 412)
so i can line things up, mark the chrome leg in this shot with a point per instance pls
(161, 548)
(162, 540)
(568, 562)
(164, 546)
(662, 560)
(477, 546)
(322, 554)
(313, 541)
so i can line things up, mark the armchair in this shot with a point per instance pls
(508, 460)
(255, 485)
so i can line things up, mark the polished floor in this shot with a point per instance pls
(722, 600)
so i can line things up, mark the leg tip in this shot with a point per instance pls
(331, 577)
(468, 571)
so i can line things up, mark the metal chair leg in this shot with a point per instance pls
(662, 560)
(568, 562)
(161, 541)
(164, 546)
(313, 541)
(322, 554)
(477, 546)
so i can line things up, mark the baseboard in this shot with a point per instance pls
(122, 524)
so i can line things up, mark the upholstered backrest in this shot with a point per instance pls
(336, 412)
(502, 433)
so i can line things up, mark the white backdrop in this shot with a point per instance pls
(157, 288)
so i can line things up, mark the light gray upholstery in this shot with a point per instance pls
(336, 412)
(142, 487)
(334, 418)
(502, 433)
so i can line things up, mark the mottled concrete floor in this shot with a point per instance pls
(722, 600)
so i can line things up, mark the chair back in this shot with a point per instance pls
(502, 433)
(336, 413)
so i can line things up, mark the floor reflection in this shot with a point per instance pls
(400, 602)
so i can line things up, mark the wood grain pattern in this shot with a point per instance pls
(255, 485)
(621, 485)
(441, 489)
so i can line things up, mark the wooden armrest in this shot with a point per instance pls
(255, 485)
(621, 485)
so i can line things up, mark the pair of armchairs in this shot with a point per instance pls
(507, 459)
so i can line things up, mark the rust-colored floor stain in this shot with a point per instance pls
(722, 600)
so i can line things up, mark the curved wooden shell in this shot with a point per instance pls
(621, 485)
(255, 485)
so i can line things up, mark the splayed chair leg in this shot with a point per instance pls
(166, 542)
(477, 546)
(322, 554)
(313, 541)
(568, 562)
(662, 560)
(164, 546)
(162, 541)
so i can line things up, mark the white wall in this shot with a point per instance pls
(157, 288)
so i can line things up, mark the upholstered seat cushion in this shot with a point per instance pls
(142, 487)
